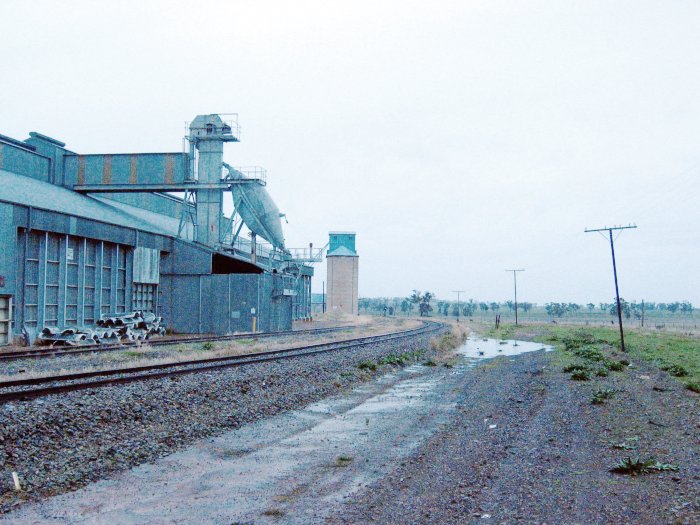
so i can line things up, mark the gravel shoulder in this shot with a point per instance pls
(60, 443)
(505, 440)
(547, 458)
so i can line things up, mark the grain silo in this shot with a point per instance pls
(342, 276)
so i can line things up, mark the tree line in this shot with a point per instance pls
(425, 304)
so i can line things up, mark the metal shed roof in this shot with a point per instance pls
(341, 251)
(17, 189)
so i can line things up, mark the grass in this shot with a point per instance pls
(581, 375)
(675, 370)
(635, 467)
(274, 513)
(132, 353)
(601, 395)
(343, 461)
(451, 340)
(367, 365)
(391, 359)
(676, 353)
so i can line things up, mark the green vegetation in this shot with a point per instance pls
(602, 394)
(693, 387)
(635, 467)
(391, 359)
(343, 461)
(367, 365)
(274, 513)
(208, 346)
(429, 362)
(676, 353)
(616, 366)
(581, 375)
(675, 370)
(400, 359)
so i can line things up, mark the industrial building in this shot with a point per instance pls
(89, 235)
(342, 273)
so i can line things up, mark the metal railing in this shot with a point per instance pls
(308, 254)
(257, 173)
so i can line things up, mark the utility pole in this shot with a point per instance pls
(515, 289)
(617, 291)
(459, 309)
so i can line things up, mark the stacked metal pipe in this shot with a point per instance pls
(110, 328)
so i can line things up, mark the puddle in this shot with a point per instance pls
(483, 348)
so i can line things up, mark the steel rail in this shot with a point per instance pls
(188, 367)
(111, 347)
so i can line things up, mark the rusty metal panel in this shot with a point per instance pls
(141, 168)
(107, 169)
(133, 169)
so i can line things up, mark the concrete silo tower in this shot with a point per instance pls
(342, 276)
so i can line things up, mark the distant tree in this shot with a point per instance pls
(510, 305)
(686, 307)
(469, 308)
(556, 309)
(590, 307)
(483, 307)
(626, 310)
(415, 299)
(495, 307)
(446, 308)
(424, 304)
(405, 306)
(673, 307)
(526, 306)
(455, 309)
(440, 307)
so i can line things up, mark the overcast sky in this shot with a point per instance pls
(457, 139)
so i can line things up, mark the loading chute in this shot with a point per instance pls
(256, 208)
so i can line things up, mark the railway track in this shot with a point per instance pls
(25, 389)
(112, 347)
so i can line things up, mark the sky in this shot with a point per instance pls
(457, 138)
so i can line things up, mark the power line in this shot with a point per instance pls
(515, 290)
(617, 291)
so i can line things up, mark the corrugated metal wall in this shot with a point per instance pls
(224, 303)
(69, 280)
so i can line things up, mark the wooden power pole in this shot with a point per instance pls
(515, 290)
(617, 290)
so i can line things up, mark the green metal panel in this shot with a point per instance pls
(342, 243)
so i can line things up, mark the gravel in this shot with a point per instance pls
(60, 443)
(527, 446)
